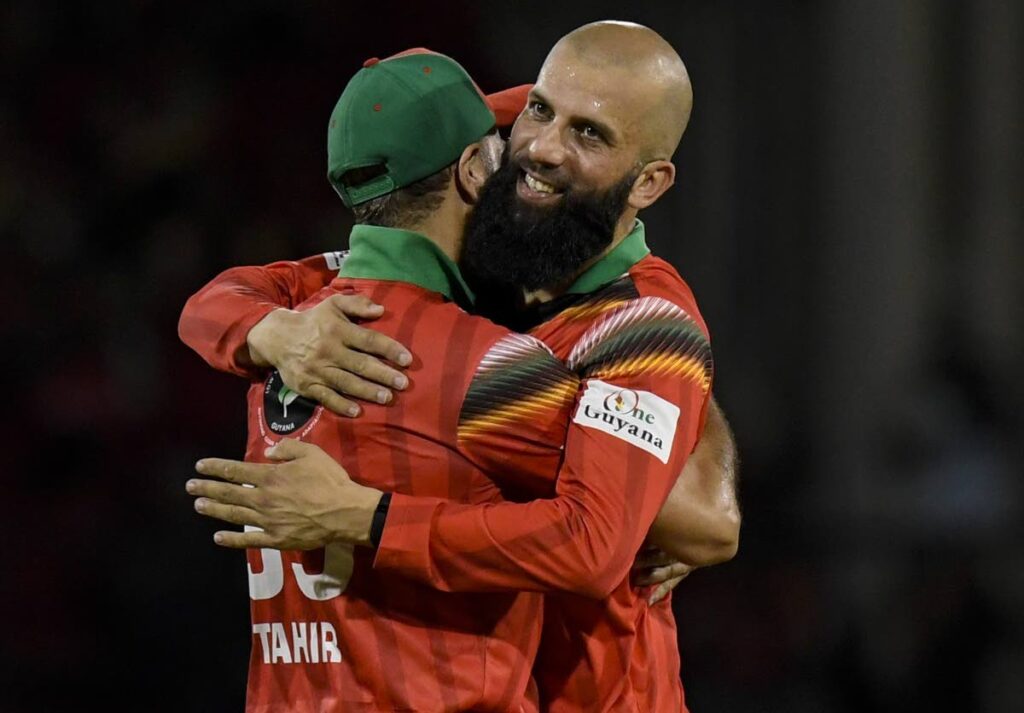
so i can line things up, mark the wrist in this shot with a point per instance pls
(380, 516)
(357, 527)
(259, 340)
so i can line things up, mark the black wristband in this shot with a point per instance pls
(379, 516)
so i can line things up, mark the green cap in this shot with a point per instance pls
(413, 114)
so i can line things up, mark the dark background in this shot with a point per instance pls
(848, 213)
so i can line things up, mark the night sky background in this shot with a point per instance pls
(848, 212)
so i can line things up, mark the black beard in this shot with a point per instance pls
(509, 246)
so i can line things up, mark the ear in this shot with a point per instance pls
(470, 173)
(655, 178)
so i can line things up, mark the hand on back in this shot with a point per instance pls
(322, 354)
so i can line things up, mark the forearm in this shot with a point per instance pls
(546, 545)
(583, 541)
(216, 321)
(699, 523)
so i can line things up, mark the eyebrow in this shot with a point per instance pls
(606, 131)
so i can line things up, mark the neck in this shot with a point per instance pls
(623, 227)
(444, 227)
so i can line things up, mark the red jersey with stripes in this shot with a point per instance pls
(641, 347)
(331, 633)
(642, 331)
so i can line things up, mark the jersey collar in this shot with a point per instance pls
(615, 264)
(377, 253)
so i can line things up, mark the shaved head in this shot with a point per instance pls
(658, 85)
(593, 147)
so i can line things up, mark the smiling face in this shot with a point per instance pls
(578, 131)
(611, 100)
(589, 151)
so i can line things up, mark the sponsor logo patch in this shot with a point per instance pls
(640, 418)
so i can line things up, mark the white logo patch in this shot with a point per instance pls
(335, 259)
(640, 418)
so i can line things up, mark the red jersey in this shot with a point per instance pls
(622, 654)
(331, 633)
(642, 349)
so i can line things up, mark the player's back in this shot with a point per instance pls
(330, 632)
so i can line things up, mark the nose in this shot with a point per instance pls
(546, 147)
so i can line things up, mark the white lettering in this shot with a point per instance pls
(617, 411)
(332, 581)
(280, 651)
(300, 644)
(268, 583)
(263, 630)
(329, 643)
(297, 642)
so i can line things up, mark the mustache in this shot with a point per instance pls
(555, 176)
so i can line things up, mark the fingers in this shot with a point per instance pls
(334, 381)
(657, 575)
(290, 449)
(235, 514)
(243, 540)
(663, 590)
(344, 382)
(373, 342)
(332, 401)
(233, 470)
(358, 306)
(221, 492)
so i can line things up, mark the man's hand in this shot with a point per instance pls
(303, 502)
(654, 567)
(321, 354)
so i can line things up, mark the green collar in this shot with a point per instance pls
(616, 263)
(404, 256)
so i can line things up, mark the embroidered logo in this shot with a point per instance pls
(283, 409)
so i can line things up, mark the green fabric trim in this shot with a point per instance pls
(404, 256)
(616, 263)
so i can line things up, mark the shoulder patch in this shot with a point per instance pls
(640, 418)
(335, 259)
(648, 335)
(517, 381)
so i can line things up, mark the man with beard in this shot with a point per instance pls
(626, 323)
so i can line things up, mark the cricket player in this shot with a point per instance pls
(627, 326)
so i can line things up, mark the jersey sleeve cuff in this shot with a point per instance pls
(405, 543)
(236, 341)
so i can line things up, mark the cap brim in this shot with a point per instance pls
(507, 105)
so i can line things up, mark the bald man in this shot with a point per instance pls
(558, 227)
(592, 148)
